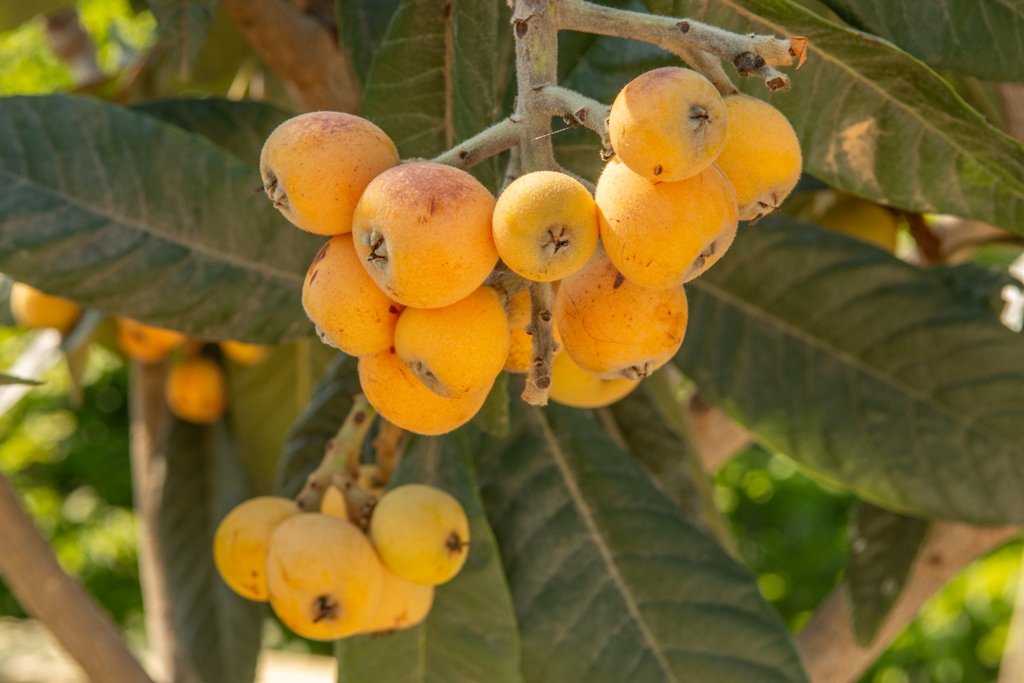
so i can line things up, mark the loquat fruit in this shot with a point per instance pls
(404, 605)
(146, 343)
(668, 124)
(864, 220)
(33, 308)
(323, 576)
(244, 354)
(545, 226)
(456, 350)
(614, 328)
(333, 503)
(423, 232)
(196, 390)
(573, 386)
(421, 533)
(761, 157)
(315, 166)
(518, 310)
(665, 234)
(241, 541)
(345, 303)
(395, 392)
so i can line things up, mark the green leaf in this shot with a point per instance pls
(433, 82)
(493, 416)
(876, 122)
(361, 28)
(14, 14)
(10, 379)
(136, 217)
(265, 400)
(6, 317)
(183, 26)
(241, 127)
(218, 630)
(319, 422)
(611, 581)
(882, 551)
(470, 634)
(982, 38)
(886, 379)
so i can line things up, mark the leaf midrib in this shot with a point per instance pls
(175, 239)
(812, 47)
(588, 519)
(857, 364)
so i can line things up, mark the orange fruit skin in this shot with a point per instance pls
(423, 232)
(395, 392)
(33, 308)
(656, 233)
(614, 328)
(573, 386)
(146, 343)
(315, 166)
(345, 303)
(668, 124)
(196, 390)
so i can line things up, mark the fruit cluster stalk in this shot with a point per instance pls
(342, 453)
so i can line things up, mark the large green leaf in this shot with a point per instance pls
(892, 381)
(361, 28)
(877, 122)
(241, 127)
(433, 82)
(183, 26)
(133, 216)
(470, 634)
(266, 398)
(319, 422)
(984, 38)
(882, 551)
(611, 581)
(218, 630)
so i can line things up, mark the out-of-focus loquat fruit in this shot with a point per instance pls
(518, 310)
(196, 390)
(761, 156)
(324, 578)
(421, 533)
(33, 308)
(244, 354)
(315, 166)
(146, 343)
(333, 503)
(668, 124)
(404, 605)
(457, 350)
(614, 328)
(545, 226)
(345, 303)
(423, 232)
(395, 392)
(573, 386)
(241, 542)
(864, 220)
(665, 234)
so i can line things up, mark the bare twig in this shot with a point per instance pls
(752, 55)
(342, 453)
(536, 35)
(927, 242)
(494, 140)
(74, 46)
(827, 645)
(577, 110)
(718, 438)
(505, 282)
(58, 601)
(301, 49)
(538, 380)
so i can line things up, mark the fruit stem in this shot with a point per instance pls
(505, 282)
(696, 43)
(536, 33)
(387, 446)
(489, 142)
(538, 381)
(577, 109)
(342, 453)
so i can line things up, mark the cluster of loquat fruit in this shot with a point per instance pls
(327, 579)
(195, 389)
(401, 283)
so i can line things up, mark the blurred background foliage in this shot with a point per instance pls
(70, 463)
